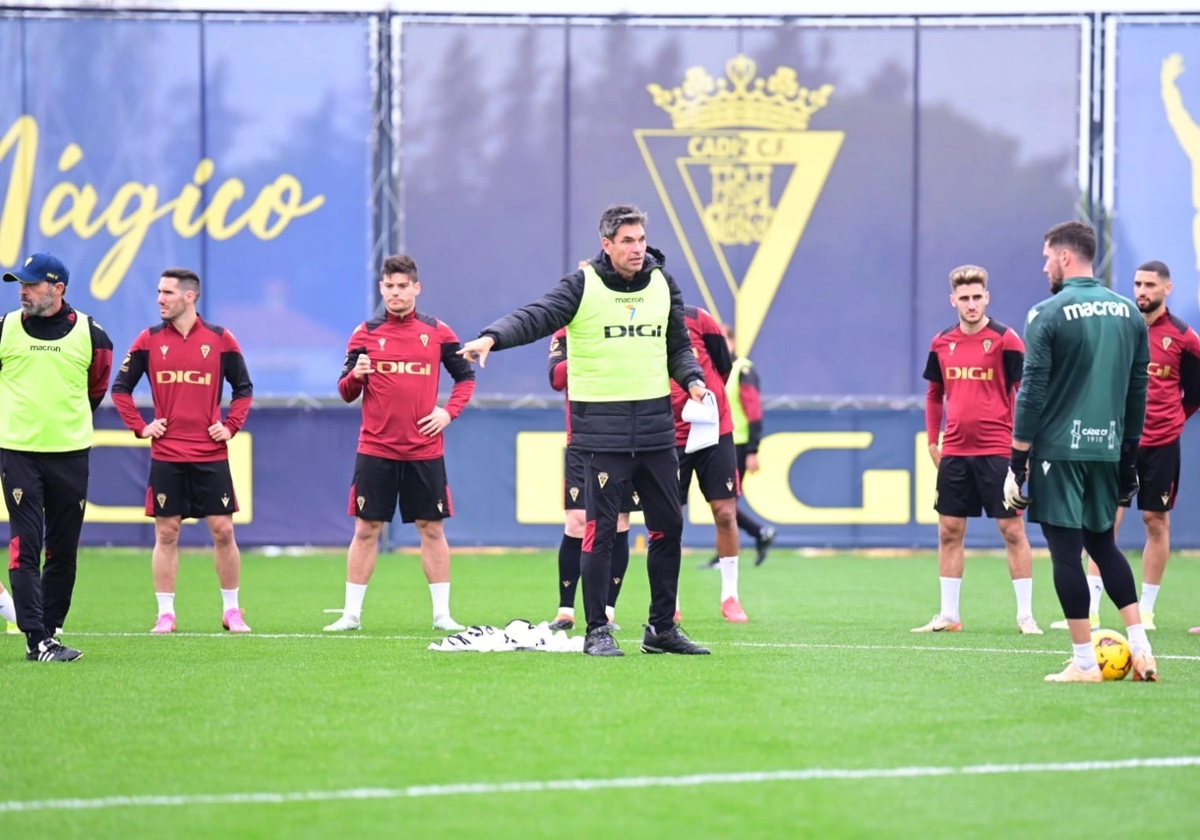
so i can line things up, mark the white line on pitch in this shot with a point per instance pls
(935, 648)
(792, 645)
(632, 782)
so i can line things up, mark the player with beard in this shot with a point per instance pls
(1172, 397)
(187, 360)
(1081, 410)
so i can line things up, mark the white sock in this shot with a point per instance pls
(1096, 590)
(355, 592)
(1024, 589)
(567, 611)
(7, 610)
(1085, 655)
(950, 589)
(440, 593)
(166, 603)
(1149, 596)
(1137, 638)
(610, 613)
(229, 598)
(729, 578)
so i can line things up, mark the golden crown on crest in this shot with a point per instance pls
(741, 100)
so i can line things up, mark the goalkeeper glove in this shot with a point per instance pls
(1127, 484)
(1018, 471)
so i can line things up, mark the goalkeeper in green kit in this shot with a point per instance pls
(1079, 417)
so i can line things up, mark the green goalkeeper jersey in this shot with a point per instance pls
(1083, 389)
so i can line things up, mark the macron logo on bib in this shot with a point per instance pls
(1092, 309)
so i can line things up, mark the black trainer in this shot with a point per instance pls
(766, 537)
(52, 650)
(672, 641)
(599, 642)
(562, 624)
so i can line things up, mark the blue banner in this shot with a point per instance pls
(846, 479)
(238, 149)
(1156, 214)
(812, 186)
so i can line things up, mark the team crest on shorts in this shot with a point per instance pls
(162, 499)
(361, 500)
(17, 494)
(574, 491)
(602, 478)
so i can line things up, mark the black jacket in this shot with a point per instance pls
(631, 426)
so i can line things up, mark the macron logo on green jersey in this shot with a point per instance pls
(1093, 308)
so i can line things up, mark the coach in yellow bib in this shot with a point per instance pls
(625, 327)
(54, 367)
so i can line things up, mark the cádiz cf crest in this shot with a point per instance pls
(739, 176)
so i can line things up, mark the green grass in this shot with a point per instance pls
(213, 714)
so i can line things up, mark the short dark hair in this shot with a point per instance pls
(189, 281)
(1159, 268)
(400, 264)
(966, 275)
(1074, 236)
(619, 215)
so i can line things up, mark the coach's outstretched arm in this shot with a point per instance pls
(546, 315)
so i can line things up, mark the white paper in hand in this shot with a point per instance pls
(704, 418)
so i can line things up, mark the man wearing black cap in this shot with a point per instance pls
(54, 367)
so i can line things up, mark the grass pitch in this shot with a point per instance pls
(294, 733)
